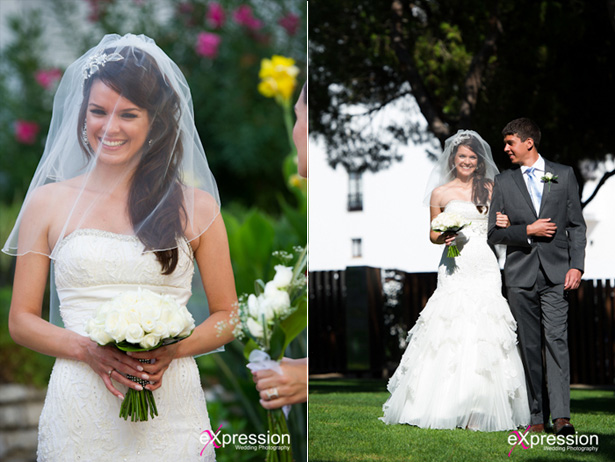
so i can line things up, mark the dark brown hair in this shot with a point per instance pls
(524, 128)
(155, 201)
(481, 186)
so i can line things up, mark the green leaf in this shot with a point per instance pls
(249, 346)
(278, 343)
(295, 323)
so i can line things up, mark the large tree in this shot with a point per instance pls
(469, 64)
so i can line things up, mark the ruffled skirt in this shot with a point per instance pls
(461, 367)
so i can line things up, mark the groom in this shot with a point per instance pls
(544, 257)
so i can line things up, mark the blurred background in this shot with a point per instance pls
(219, 47)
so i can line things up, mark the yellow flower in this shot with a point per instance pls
(278, 78)
(297, 182)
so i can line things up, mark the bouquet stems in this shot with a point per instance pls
(138, 405)
(278, 426)
(453, 251)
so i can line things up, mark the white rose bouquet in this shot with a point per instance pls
(452, 223)
(267, 321)
(140, 321)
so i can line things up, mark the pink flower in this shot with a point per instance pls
(207, 44)
(290, 22)
(47, 77)
(244, 17)
(215, 15)
(25, 132)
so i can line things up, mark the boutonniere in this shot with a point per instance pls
(548, 177)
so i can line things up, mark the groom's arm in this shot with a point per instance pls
(576, 227)
(513, 235)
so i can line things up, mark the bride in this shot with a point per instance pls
(122, 199)
(461, 367)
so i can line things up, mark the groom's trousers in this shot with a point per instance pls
(543, 305)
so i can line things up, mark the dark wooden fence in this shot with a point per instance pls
(354, 329)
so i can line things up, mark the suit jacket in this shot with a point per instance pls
(560, 202)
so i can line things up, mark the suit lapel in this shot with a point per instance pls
(518, 177)
(545, 187)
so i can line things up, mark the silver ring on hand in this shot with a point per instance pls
(110, 372)
(272, 393)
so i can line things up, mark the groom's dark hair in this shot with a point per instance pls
(524, 128)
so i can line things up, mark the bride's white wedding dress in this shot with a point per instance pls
(461, 367)
(80, 419)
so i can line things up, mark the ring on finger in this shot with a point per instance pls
(110, 372)
(272, 393)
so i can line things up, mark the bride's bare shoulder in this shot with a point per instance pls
(440, 193)
(44, 203)
(48, 194)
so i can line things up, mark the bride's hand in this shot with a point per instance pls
(163, 357)
(110, 363)
(501, 220)
(449, 238)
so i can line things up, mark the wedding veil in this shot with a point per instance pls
(445, 169)
(172, 193)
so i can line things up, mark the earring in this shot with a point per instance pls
(84, 134)
(149, 143)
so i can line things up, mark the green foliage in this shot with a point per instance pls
(254, 235)
(19, 365)
(23, 99)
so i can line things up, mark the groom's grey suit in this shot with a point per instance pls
(535, 271)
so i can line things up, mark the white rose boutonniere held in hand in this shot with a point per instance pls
(549, 177)
(140, 321)
(452, 223)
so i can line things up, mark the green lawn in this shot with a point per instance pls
(344, 426)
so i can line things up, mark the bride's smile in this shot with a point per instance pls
(116, 127)
(466, 161)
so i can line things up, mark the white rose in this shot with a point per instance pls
(283, 276)
(116, 325)
(102, 311)
(255, 328)
(265, 308)
(150, 314)
(134, 333)
(188, 322)
(149, 341)
(175, 324)
(161, 329)
(98, 334)
(278, 301)
(253, 307)
(90, 325)
(129, 298)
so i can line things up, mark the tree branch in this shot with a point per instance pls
(407, 67)
(600, 184)
(383, 104)
(477, 68)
